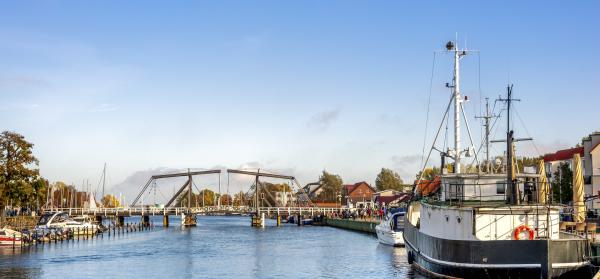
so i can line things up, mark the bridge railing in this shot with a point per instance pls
(148, 210)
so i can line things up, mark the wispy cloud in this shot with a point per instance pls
(104, 107)
(26, 81)
(20, 107)
(405, 160)
(323, 120)
(406, 165)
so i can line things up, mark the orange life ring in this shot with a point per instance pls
(519, 229)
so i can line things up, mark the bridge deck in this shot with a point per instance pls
(148, 211)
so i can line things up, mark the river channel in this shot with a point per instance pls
(220, 247)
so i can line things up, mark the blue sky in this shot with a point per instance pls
(292, 86)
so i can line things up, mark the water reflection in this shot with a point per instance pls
(19, 272)
(220, 247)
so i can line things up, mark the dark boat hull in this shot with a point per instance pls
(498, 259)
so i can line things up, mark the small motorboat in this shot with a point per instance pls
(188, 220)
(10, 237)
(61, 221)
(306, 222)
(390, 230)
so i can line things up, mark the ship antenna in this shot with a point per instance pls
(486, 124)
(513, 190)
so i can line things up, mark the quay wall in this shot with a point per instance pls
(354, 225)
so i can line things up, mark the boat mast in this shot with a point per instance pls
(450, 46)
(487, 117)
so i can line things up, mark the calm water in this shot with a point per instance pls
(220, 247)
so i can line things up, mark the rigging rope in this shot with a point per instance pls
(428, 106)
(527, 131)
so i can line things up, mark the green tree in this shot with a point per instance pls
(110, 201)
(18, 170)
(226, 199)
(562, 184)
(429, 173)
(241, 199)
(206, 197)
(331, 185)
(388, 179)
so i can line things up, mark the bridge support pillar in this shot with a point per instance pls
(146, 221)
(258, 220)
(166, 221)
(120, 221)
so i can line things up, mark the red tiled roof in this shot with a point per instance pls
(351, 187)
(562, 155)
(388, 199)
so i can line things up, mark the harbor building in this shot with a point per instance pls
(589, 150)
(359, 194)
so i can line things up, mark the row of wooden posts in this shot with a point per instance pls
(52, 236)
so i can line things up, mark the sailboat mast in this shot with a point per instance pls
(103, 180)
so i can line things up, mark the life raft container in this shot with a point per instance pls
(522, 228)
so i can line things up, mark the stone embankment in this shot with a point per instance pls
(367, 226)
(19, 223)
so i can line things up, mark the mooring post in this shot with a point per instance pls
(278, 220)
(299, 220)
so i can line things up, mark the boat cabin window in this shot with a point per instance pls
(45, 218)
(397, 222)
(61, 218)
(455, 191)
(2, 233)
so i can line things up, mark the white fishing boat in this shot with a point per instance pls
(486, 223)
(391, 229)
(10, 237)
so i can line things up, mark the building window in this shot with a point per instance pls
(500, 187)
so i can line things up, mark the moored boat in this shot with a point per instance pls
(486, 224)
(62, 222)
(10, 237)
(391, 229)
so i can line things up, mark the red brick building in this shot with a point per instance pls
(358, 195)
